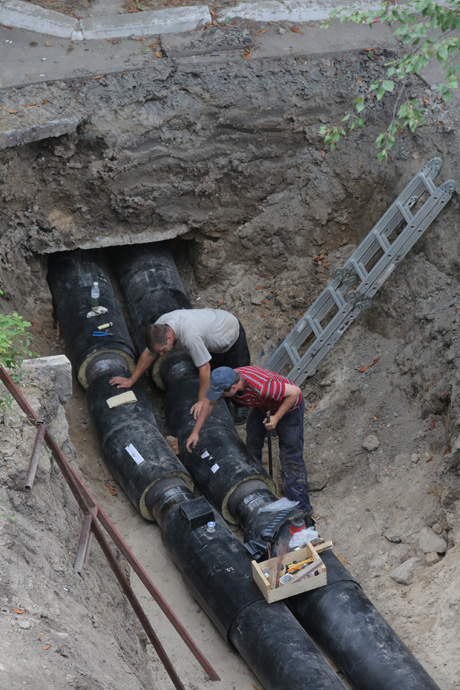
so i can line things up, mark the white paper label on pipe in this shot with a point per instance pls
(134, 453)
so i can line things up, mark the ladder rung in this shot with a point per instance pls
(359, 269)
(293, 354)
(315, 326)
(381, 239)
(404, 212)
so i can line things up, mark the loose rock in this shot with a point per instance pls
(404, 574)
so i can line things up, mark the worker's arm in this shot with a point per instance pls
(204, 373)
(291, 393)
(145, 361)
(206, 410)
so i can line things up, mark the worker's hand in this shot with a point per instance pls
(192, 441)
(270, 425)
(120, 382)
(196, 409)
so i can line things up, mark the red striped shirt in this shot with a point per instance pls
(263, 389)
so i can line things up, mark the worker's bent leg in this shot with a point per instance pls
(293, 470)
(255, 433)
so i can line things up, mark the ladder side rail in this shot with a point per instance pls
(393, 215)
(386, 268)
(308, 363)
(420, 222)
(368, 248)
(412, 192)
(378, 236)
(303, 329)
(282, 356)
(328, 333)
(432, 168)
(310, 360)
(402, 205)
(370, 254)
(406, 240)
(331, 299)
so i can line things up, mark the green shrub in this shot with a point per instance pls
(14, 348)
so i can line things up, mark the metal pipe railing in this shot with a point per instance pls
(93, 515)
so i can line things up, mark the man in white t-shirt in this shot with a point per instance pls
(212, 337)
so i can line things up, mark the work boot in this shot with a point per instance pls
(240, 416)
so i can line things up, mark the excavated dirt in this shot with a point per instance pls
(226, 160)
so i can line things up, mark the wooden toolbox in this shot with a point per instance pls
(285, 576)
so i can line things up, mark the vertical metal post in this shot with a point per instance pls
(35, 455)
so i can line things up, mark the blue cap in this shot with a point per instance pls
(221, 379)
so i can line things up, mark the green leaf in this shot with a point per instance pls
(388, 85)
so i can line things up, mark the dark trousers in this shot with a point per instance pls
(237, 356)
(290, 435)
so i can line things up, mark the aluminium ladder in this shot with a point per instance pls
(353, 285)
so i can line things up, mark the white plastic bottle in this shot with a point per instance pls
(95, 295)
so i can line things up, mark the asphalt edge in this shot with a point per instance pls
(23, 15)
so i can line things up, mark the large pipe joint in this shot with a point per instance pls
(246, 499)
(106, 362)
(133, 448)
(164, 494)
(172, 368)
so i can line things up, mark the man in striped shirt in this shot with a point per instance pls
(264, 391)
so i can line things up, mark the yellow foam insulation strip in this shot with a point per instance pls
(121, 399)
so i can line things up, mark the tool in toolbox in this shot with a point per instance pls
(353, 286)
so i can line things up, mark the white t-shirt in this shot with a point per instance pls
(202, 331)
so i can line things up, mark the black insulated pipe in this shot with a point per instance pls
(215, 565)
(217, 571)
(132, 447)
(220, 472)
(374, 659)
(134, 450)
(361, 642)
(150, 283)
(70, 276)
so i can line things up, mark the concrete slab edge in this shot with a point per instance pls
(23, 15)
(45, 130)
